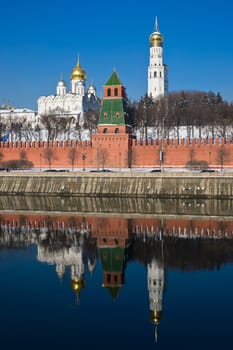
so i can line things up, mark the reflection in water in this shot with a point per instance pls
(145, 206)
(155, 282)
(76, 242)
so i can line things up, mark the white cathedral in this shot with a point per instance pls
(73, 103)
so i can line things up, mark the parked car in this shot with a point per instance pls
(101, 171)
(207, 171)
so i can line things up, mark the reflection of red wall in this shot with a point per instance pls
(111, 231)
(112, 150)
(107, 230)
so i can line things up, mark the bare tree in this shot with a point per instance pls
(102, 157)
(49, 155)
(91, 120)
(23, 155)
(222, 156)
(49, 121)
(72, 156)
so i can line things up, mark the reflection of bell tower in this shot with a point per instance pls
(77, 271)
(155, 283)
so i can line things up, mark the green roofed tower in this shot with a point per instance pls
(113, 139)
(114, 108)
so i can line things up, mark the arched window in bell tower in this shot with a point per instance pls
(109, 92)
(105, 131)
(115, 91)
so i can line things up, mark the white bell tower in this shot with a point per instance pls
(157, 70)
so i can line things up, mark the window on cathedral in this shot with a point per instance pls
(155, 74)
(116, 92)
(118, 115)
(105, 131)
(117, 131)
(105, 115)
(109, 92)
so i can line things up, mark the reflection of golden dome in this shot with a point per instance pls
(156, 316)
(78, 73)
(77, 284)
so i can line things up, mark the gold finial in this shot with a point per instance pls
(156, 38)
(78, 73)
(78, 62)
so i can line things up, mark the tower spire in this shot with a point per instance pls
(156, 24)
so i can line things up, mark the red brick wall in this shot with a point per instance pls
(111, 151)
(177, 155)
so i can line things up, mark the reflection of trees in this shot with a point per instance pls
(199, 254)
(187, 255)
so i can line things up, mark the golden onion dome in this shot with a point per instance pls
(156, 316)
(78, 73)
(77, 284)
(156, 38)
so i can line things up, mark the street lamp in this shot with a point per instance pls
(161, 154)
(83, 158)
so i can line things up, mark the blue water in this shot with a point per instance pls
(41, 311)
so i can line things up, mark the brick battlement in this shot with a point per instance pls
(107, 150)
(183, 142)
(45, 144)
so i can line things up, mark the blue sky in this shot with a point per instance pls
(42, 39)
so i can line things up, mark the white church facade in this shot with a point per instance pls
(73, 103)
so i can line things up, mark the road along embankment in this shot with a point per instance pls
(119, 184)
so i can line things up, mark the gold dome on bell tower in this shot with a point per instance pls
(156, 38)
(78, 73)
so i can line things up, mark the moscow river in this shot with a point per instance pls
(88, 273)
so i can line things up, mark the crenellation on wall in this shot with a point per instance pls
(120, 151)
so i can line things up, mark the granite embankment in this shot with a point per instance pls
(119, 184)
